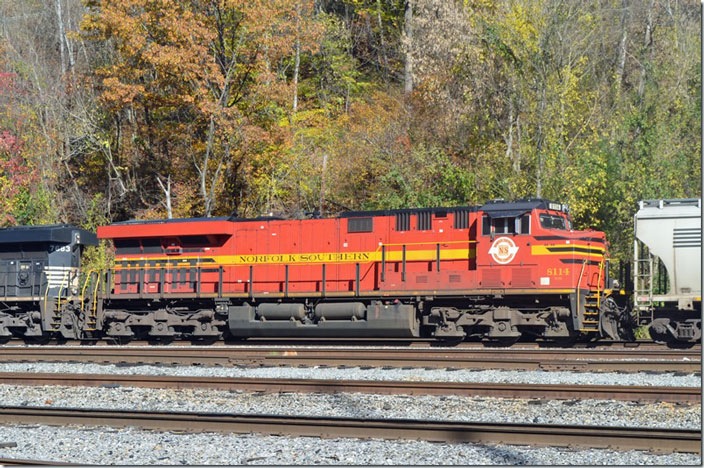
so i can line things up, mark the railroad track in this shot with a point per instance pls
(26, 462)
(658, 440)
(593, 360)
(542, 391)
(377, 342)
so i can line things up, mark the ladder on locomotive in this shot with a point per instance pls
(53, 306)
(592, 304)
(91, 284)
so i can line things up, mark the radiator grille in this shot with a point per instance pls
(491, 278)
(521, 277)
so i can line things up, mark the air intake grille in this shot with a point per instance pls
(461, 219)
(403, 221)
(424, 221)
(687, 237)
(360, 225)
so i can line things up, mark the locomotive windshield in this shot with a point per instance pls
(548, 221)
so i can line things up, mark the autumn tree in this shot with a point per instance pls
(196, 90)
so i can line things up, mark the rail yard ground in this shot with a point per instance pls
(107, 443)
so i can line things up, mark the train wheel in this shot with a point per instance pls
(38, 340)
(161, 340)
(507, 341)
(119, 340)
(204, 340)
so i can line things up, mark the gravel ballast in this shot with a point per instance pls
(356, 405)
(354, 373)
(135, 447)
(130, 446)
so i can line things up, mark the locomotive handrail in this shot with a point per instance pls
(46, 292)
(89, 273)
(430, 242)
(165, 265)
(98, 280)
(598, 285)
(380, 247)
(579, 282)
(61, 287)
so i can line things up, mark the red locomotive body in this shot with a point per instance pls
(500, 270)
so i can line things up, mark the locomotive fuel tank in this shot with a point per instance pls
(375, 320)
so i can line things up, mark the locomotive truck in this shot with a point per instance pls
(499, 271)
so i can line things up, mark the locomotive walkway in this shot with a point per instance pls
(659, 440)
(585, 360)
(544, 391)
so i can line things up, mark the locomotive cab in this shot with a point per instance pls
(39, 265)
(528, 250)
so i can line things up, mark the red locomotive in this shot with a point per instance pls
(501, 270)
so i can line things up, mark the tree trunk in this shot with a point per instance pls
(322, 183)
(297, 64)
(622, 46)
(167, 194)
(62, 35)
(296, 68)
(203, 171)
(648, 45)
(539, 146)
(349, 51)
(382, 43)
(408, 31)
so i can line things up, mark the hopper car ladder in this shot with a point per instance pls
(643, 285)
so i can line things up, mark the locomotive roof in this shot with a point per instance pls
(191, 220)
(520, 206)
(52, 233)
(451, 209)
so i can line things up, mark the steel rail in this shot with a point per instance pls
(27, 462)
(540, 391)
(526, 359)
(622, 438)
(385, 342)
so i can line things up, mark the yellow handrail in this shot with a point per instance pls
(95, 292)
(598, 285)
(85, 284)
(58, 300)
(579, 281)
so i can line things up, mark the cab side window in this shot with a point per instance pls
(512, 225)
(524, 224)
(548, 221)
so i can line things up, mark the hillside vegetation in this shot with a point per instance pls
(120, 109)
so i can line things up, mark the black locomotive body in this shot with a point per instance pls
(40, 268)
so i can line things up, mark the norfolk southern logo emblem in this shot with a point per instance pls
(503, 250)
